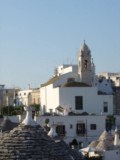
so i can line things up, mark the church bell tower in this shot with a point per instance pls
(84, 64)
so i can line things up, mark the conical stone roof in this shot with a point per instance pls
(7, 125)
(106, 136)
(93, 144)
(29, 141)
(105, 142)
(74, 153)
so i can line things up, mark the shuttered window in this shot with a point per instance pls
(80, 128)
(78, 102)
(60, 130)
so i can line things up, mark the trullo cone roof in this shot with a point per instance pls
(31, 142)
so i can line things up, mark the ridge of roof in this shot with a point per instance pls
(75, 84)
(50, 81)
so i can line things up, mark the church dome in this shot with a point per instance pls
(30, 141)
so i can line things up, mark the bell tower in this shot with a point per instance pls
(84, 64)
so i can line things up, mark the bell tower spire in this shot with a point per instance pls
(84, 64)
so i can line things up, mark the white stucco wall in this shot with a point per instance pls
(92, 102)
(24, 97)
(105, 98)
(112, 155)
(73, 120)
(104, 86)
(66, 69)
(65, 97)
(64, 78)
(16, 119)
(113, 76)
(49, 98)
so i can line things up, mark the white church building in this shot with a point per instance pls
(73, 89)
(74, 102)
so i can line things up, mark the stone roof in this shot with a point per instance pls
(30, 142)
(93, 144)
(7, 125)
(105, 142)
(74, 153)
(75, 84)
(50, 81)
(105, 145)
(105, 136)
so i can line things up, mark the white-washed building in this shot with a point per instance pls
(73, 88)
(72, 95)
(115, 77)
(104, 85)
(28, 97)
(24, 97)
(76, 99)
(83, 128)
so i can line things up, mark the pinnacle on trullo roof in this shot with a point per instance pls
(52, 132)
(28, 119)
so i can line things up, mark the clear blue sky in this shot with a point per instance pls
(38, 35)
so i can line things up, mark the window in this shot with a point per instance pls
(105, 106)
(105, 109)
(79, 102)
(93, 126)
(71, 126)
(80, 128)
(60, 130)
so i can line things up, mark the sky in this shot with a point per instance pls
(38, 35)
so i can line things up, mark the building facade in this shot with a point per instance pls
(82, 128)
(73, 87)
(81, 104)
(24, 97)
(28, 97)
(75, 99)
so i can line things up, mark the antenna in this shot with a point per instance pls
(29, 86)
(67, 60)
(72, 62)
